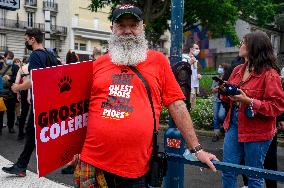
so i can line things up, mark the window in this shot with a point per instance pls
(31, 2)
(83, 47)
(3, 42)
(96, 23)
(31, 19)
(76, 46)
(52, 20)
(80, 46)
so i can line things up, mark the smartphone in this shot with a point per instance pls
(217, 79)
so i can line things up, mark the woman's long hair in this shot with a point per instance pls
(260, 52)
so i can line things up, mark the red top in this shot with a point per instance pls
(268, 102)
(120, 122)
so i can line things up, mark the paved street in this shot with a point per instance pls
(10, 148)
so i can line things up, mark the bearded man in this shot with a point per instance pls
(119, 138)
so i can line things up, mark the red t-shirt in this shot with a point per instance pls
(120, 122)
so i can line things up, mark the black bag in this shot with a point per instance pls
(158, 161)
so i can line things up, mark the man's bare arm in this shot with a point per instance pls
(27, 84)
(184, 123)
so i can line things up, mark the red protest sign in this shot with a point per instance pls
(61, 98)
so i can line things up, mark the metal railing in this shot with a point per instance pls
(17, 24)
(32, 3)
(58, 30)
(47, 5)
(238, 169)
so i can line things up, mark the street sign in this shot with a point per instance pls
(10, 4)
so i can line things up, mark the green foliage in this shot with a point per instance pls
(156, 13)
(164, 115)
(209, 70)
(219, 16)
(202, 114)
(205, 86)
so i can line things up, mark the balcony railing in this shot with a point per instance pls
(17, 24)
(3, 48)
(58, 30)
(47, 5)
(32, 3)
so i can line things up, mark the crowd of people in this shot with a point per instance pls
(248, 115)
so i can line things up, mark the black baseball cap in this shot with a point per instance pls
(127, 9)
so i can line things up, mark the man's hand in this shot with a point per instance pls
(15, 88)
(206, 157)
(6, 77)
(183, 122)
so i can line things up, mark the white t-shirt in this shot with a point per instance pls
(194, 77)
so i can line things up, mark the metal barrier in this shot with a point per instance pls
(238, 169)
(174, 146)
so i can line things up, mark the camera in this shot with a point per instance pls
(226, 89)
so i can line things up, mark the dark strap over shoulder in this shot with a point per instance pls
(155, 132)
(6, 70)
(51, 60)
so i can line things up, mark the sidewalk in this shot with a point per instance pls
(30, 181)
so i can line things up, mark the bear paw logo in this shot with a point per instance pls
(64, 84)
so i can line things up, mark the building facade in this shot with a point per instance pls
(225, 52)
(89, 31)
(67, 24)
(33, 14)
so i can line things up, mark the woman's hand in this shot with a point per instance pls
(243, 98)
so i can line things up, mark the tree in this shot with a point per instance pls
(155, 12)
(219, 16)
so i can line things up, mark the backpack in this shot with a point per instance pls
(51, 57)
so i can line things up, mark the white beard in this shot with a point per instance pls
(128, 50)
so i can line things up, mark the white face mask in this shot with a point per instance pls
(220, 70)
(9, 62)
(195, 52)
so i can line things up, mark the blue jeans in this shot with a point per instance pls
(219, 114)
(253, 154)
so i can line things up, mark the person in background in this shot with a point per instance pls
(71, 57)
(196, 68)
(39, 58)
(218, 109)
(96, 53)
(17, 110)
(8, 75)
(22, 97)
(250, 122)
(1, 61)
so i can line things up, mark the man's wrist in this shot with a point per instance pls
(196, 149)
